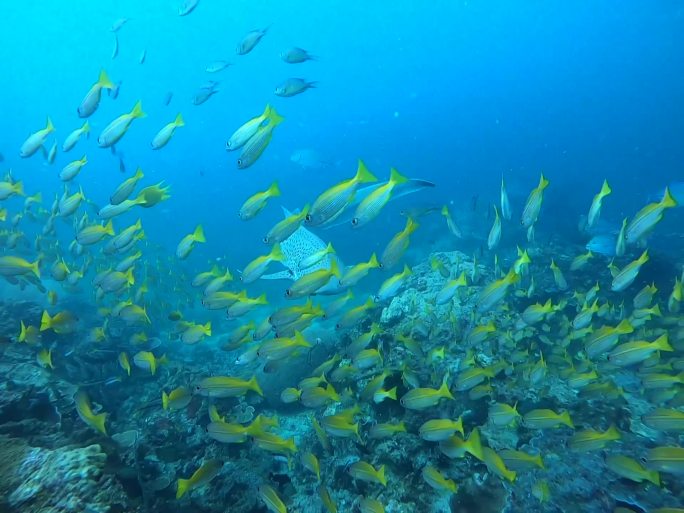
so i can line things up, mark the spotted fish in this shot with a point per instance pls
(298, 246)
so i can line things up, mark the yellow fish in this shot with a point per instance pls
(203, 475)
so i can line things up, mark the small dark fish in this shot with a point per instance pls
(118, 24)
(296, 55)
(187, 7)
(143, 55)
(250, 41)
(115, 52)
(293, 86)
(167, 98)
(204, 93)
(114, 92)
(416, 212)
(122, 165)
(217, 66)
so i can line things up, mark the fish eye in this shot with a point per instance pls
(265, 239)
(239, 162)
(355, 221)
(308, 217)
(288, 293)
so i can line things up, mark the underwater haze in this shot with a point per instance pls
(342, 256)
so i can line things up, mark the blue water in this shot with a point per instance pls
(454, 92)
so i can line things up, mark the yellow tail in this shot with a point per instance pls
(273, 190)
(668, 201)
(254, 385)
(183, 487)
(179, 120)
(198, 235)
(104, 82)
(45, 321)
(363, 175)
(137, 111)
(397, 178)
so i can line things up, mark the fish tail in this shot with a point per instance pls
(49, 127)
(643, 258)
(274, 117)
(99, 422)
(137, 111)
(179, 120)
(22, 332)
(277, 253)
(35, 268)
(654, 477)
(474, 444)
(613, 433)
(198, 234)
(45, 321)
(543, 182)
(539, 462)
(18, 188)
(444, 389)
(109, 228)
(668, 201)
(373, 262)
(274, 190)
(138, 174)
(662, 343)
(605, 189)
(335, 269)
(183, 487)
(86, 128)
(363, 175)
(165, 400)
(381, 475)
(624, 327)
(396, 177)
(104, 82)
(254, 385)
(510, 475)
(130, 279)
(392, 393)
(565, 419)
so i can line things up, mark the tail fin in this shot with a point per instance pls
(275, 118)
(392, 393)
(605, 189)
(35, 268)
(198, 234)
(22, 332)
(179, 120)
(104, 82)
(565, 419)
(373, 262)
(662, 344)
(99, 423)
(137, 111)
(334, 268)
(49, 127)
(277, 253)
(624, 327)
(183, 487)
(254, 385)
(85, 129)
(165, 400)
(668, 201)
(45, 321)
(543, 182)
(381, 475)
(397, 178)
(273, 191)
(363, 175)
(474, 445)
(444, 389)
(109, 228)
